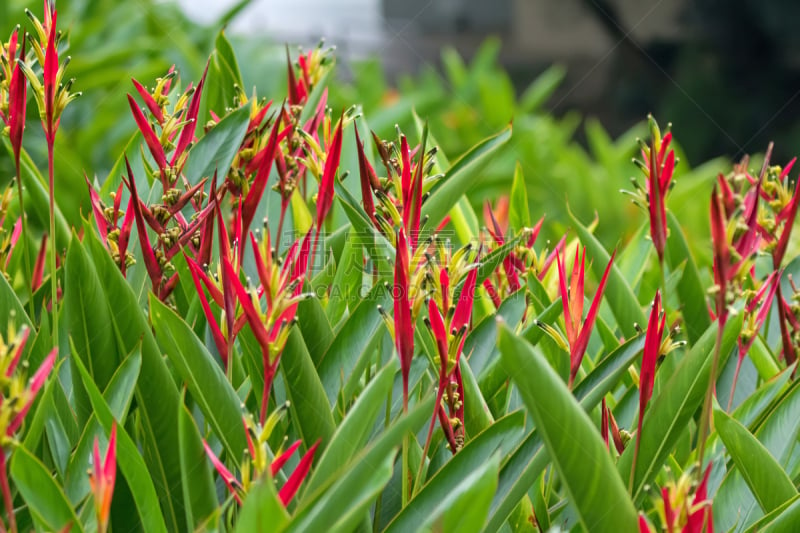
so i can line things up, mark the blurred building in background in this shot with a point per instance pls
(727, 70)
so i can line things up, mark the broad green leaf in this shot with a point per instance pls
(313, 323)
(311, 412)
(354, 430)
(347, 280)
(262, 511)
(129, 460)
(501, 437)
(734, 504)
(156, 394)
(356, 489)
(541, 88)
(227, 58)
(11, 306)
(199, 492)
(461, 176)
(89, 324)
(784, 519)
(118, 395)
(765, 477)
(572, 441)
(669, 412)
(691, 292)
(214, 153)
(466, 504)
(205, 379)
(43, 496)
(343, 362)
(518, 214)
(618, 293)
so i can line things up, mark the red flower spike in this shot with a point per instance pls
(325, 195)
(403, 327)
(439, 333)
(97, 211)
(187, 133)
(149, 101)
(17, 102)
(604, 422)
(230, 480)
(36, 383)
(16, 232)
(701, 518)
(259, 184)
(369, 180)
(20, 342)
(644, 526)
(150, 137)
(150, 261)
(289, 488)
(216, 333)
(50, 80)
(572, 302)
(721, 254)
(252, 314)
(102, 478)
(788, 214)
(415, 195)
(38, 267)
(652, 345)
(294, 92)
(615, 434)
(279, 461)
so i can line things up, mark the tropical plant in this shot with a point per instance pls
(238, 336)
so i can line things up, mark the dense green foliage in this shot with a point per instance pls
(402, 344)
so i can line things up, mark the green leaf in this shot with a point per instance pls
(214, 153)
(572, 441)
(734, 504)
(765, 477)
(466, 504)
(343, 362)
(89, 324)
(118, 395)
(518, 215)
(44, 497)
(354, 430)
(156, 394)
(209, 387)
(129, 459)
(691, 292)
(500, 437)
(199, 492)
(461, 176)
(310, 410)
(541, 88)
(670, 411)
(341, 504)
(784, 519)
(618, 293)
(262, 511)
(347, 280)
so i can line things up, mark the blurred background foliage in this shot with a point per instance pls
(728, 74)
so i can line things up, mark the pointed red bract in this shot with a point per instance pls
(281, 460)
(299, 474)
(403, 327)
(51, 82)
(149, 101)
(150, 137)
(187, 133)
(227, 477)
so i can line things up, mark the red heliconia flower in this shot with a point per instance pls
(650, 354)
(694, 517)
(325, 195)
(403, 325)
(258, 461)
(578, 330)
(756, 311)
(265, 157)
(271, 328)
(36, 383)
(102, 477)
(17, 102)
(190, 122)
(50, 77)
(369, 180)
(722, 266)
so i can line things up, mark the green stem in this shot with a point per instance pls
(53, 247)
(25, 256)
(405, 471)
(705, 416)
